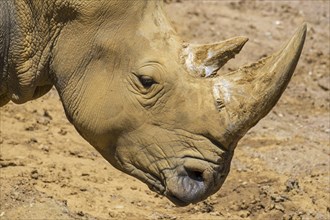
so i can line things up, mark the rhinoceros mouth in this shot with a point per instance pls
(176, 200)
(194, 181)
(187, 183)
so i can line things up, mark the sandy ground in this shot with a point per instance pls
(280, 169)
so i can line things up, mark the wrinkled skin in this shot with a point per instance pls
(149, 103)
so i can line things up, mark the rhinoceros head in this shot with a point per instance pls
(154, 106)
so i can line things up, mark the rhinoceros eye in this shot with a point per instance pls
(146, 81)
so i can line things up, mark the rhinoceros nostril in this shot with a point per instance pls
(195, 175)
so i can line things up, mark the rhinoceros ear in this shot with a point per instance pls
(206, 59)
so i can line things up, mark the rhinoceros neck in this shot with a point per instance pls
(27, 37)
(5, 27)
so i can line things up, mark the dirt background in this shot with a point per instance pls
(280, 169)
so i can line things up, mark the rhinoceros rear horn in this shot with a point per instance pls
(250, 92)
(205, 60)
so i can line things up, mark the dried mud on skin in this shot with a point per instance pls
(280, 169)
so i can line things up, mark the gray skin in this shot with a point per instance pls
(152, 105)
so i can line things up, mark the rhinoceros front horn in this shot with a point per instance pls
(249, 93)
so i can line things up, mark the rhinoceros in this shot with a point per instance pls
(154, 106)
